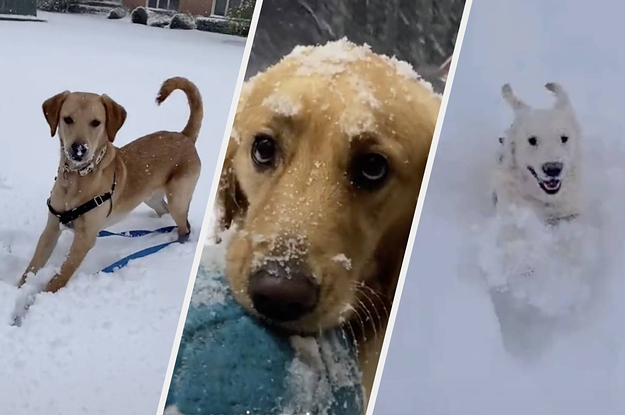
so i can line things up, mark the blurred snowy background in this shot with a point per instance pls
(421, 32)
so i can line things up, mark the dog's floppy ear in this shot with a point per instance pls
(562, 98)
(231, 202)
(115, 116)
(512, 100)
(52, 110)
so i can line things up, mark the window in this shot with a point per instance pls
(221, 7)
(163, 4)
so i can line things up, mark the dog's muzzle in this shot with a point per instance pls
(553, 183)
(78, 152)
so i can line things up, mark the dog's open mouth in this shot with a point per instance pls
(550, 186)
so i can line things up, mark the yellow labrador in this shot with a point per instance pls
(98, 183)
(321, 179)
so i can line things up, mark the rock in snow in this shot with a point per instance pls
(117, 13)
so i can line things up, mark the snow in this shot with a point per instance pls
(208, 289)
(332, 58)
(102, 344)
(282, 104)
(343, 260)
(357, 121)
(562, 308)
(329, 59)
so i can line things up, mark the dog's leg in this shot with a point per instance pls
(47, 242)
(157, 202)
(84, 240)
(179, 194)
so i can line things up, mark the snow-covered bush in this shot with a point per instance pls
(240, 18)
(182, 21)
(52, 5)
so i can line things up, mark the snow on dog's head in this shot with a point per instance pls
(543, 150)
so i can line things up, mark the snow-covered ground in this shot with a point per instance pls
(447, 354)
(102, 344)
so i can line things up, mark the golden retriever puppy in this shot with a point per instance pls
(98, 183)
(321, 179)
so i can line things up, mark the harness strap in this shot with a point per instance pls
(73, 214)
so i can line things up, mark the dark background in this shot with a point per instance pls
(421, 32)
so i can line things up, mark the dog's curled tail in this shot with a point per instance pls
(192, 129)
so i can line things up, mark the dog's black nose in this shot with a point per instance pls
(283, 292)
(552, 169)
(78, 151)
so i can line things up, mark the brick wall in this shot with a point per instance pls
(131, 4)
(194, 7)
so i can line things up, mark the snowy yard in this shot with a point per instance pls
(447, 355)
(102, 345)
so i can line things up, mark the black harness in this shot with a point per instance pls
(73, 214)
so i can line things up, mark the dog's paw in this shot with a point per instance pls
(55, 284)
(184, 238)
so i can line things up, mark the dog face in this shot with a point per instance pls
(322, 174)
(85, 123)
(544, 146)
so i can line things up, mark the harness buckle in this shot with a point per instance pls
(99, 201)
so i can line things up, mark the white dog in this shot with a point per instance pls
(540, 159)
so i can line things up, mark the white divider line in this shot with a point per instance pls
(209, 208)
(417, 216)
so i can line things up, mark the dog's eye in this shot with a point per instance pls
(564, 138)
(532, 140)
(264, 150)
(95, 123)
(369, 170)
(68, 120)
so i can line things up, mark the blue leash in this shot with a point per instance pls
(140, 254)
(135, 234)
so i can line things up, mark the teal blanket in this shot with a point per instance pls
(231, 363)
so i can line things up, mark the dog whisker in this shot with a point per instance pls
(369, 318)
(348, 323)
(379, 297)
(363, 327)
(380, 303)
(375, 310)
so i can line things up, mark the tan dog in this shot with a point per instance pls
(321, 179)
(146, 170)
